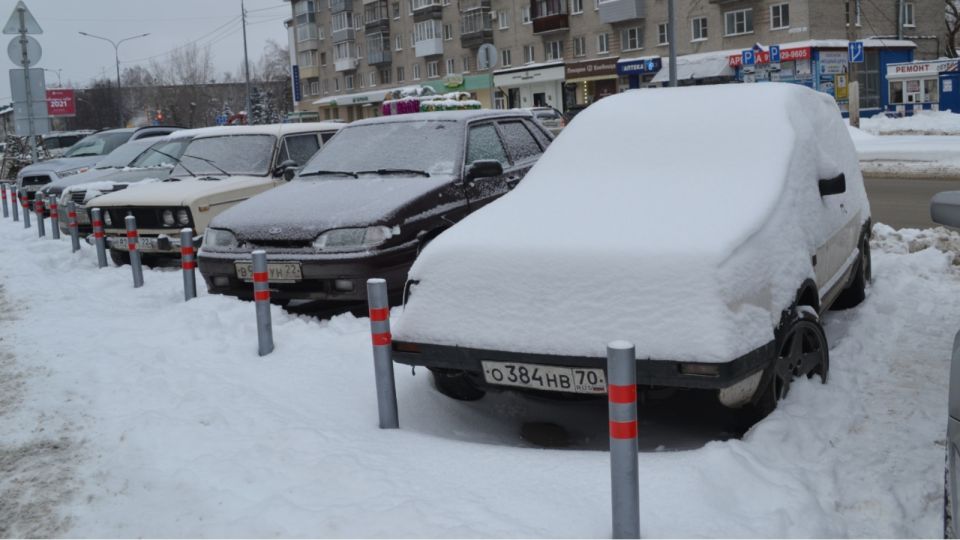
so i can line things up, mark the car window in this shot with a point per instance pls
(326, 135)
(484, 143)
(98, 144)
(521, 143)
(163, 153)
(299, 148)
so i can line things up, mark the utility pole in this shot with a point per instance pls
(671, 23)
(853, 84)
(116, 59)
(25, 62)
(246, 60)
(900, 20)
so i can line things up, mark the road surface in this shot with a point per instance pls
(904, 202)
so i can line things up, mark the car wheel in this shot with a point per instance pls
(119, 258)
(456, 385)
(801, 350)
(856, 291)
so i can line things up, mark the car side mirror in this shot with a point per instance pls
(833, 186)
(484, 168)
(287, 169)
(945, 208)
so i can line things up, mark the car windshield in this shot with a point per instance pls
(235, 154)
(98, 144)
(430, 146)
(122, 156)
(161, 154)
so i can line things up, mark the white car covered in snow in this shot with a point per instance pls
(710, 226)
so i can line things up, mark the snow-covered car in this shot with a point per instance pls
(367, 203)
(710, 226)
(220, 167)
(121, 157)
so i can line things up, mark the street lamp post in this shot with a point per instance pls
(116, 56)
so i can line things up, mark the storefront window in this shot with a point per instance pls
(896, 92)
(930, 94)
(869, 78)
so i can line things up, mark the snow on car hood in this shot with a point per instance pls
(177, 192)
(59, 164)
(306, 207)
(683, 220)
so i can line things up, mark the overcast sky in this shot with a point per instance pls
(171, 23)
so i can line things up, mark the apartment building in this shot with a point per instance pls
(568, 53)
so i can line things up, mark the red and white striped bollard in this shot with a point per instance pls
(261, 298)
(379, 303)
(624, 469)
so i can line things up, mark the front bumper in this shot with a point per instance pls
(320, 274)
(150, 243)
(660, 373)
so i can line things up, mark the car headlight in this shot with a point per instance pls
(183, 217)
(71, 172)
(219, 238)
(353, 239)
(107, 220)
(168, 220)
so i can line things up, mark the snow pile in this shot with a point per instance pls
(661, 247)
(921, 123)
(928, 156)
(129, 413)
(914, 240)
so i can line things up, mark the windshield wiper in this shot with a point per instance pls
(396, 171)
(329, 173)
(176, 159)
(209, 161)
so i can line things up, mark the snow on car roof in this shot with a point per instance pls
(265, 129)
(664, 216)
(457, 116)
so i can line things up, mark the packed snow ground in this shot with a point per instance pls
(924, 145)
(921, 123)
(131, 413)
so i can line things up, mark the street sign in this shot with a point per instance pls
(19, 90)
(37, 109)
(61, 102)
(297, 91)
(13, 24)
(855, 50)
(15, 51)
(774, 54)
(487, 57)
(748, 58)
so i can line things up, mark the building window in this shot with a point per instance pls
(738, 22)
(398, 42)
(631, 38)
(908, 14)
(529, 54)
(553, 50)
(372, 78)
(579, 46)
(447, 32)
(413, 40)
(416, 72)
(433, 69)
(326, 86)
(503, 19)
(305, 17)
(525, 14)
(500, 100)
(698, 28)
(399, 74)
(336, 84)
(427, 30)
(466, 64)
(396, 10)
(779, 16)
(342, 21)
(348, 82)
(323, 59)
(576, 7)
(662, 34)
(506, 58)
(345, 50)
(451, 66)
(868, 75)
(603, 43)
(385, 76)
(308, 58)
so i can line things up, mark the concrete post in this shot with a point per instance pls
(25, 203)
(3, 195)
(261, 298)
(188, 263)
(133, 241)
(54, 218)
(72, 225)
(382, 355)
(98, 237)
(624, 469)
(15, 204)
(38, 210)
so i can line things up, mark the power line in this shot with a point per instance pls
(266, 9)
(216, 30)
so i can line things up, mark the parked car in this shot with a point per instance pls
(367, 203)
(119, 158)
(81, 156)
(58, 142)
(155, 163)
(714, 257)
(219, 168)
(551, 118)
(945, 210)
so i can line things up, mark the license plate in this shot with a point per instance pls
(554, 378)
(143, 243)
(276, 271)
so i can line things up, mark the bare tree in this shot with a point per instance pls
(274, 64)
(953, 27)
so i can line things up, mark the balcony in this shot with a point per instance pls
(549, 16)
(379, 57)
(336, 6)
(616, 11)
(427, 9)
(376, 16)
(344, 34)
(345, 64)
(429, 47)
(476, 28)
(469, 5)
(378, 49)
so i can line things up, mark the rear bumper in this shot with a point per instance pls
(664, 373)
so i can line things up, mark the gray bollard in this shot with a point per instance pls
(624, 469)
(261, 297)
(25, 203)
(133, 241)
(15, 204)
(38, 210)
(3, 195)
(54, 218)
(379, 304)
(72, 225)
(189, 264)
(98, 237)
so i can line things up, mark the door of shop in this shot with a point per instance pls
(950, 92)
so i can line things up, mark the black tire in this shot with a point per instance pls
(119, 258)
(456, 385)
(856, 291)
(802, 349)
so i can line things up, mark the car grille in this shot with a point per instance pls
(35, 180)
(281, 244)
(80, 196)
(147, 218)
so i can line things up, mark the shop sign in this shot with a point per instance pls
(833, 62)
(922, 68)
(592, 68)
(454, 80)
(763, 57)
(641, 66)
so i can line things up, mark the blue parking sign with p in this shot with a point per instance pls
(775, 54)
(747, 57)
(855, 49)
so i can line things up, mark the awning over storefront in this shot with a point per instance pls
(529, 74)
(362, 98)
(696, 67)
(460, 83)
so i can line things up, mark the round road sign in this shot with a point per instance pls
(15, 51)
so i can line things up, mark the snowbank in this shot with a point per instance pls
(921, 123)
(678, 237)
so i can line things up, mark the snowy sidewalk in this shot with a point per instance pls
(926, 145)
(131, 413)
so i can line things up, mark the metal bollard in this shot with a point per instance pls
(38, 210)
(98, 237)
(25, 203)
(189, 264)
(133, 241)
(54, 218)
(3, 195)
(72, 225)
(261, 297)
(382, 356)
(14, 204)
(624, 469)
